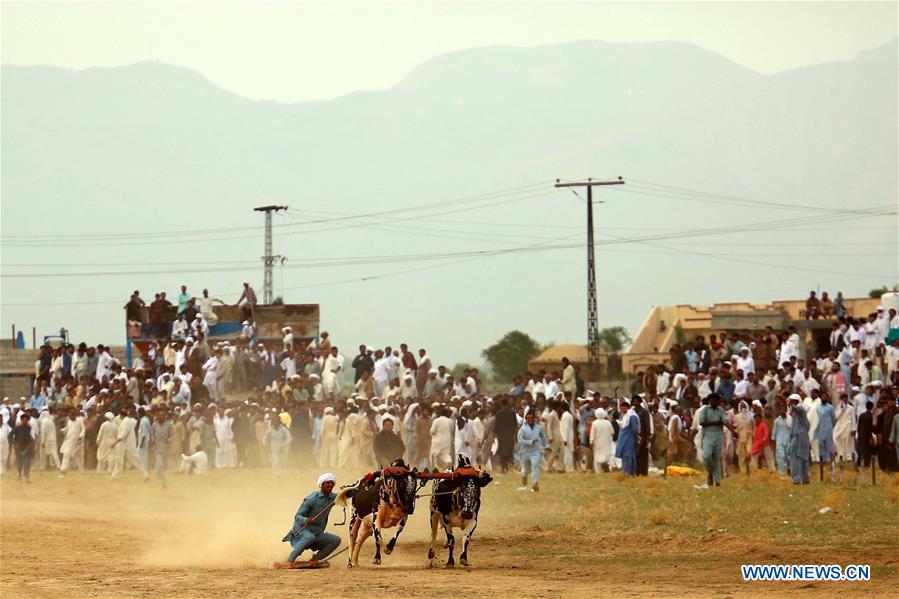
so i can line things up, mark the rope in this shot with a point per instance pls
(324, 509)
(430, 494)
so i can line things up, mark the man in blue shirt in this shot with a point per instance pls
(309, 524)
(628, 435)
(780, 434)
(183, 299)
(531, 445)
(824, 434)
(38, 400)
(726, 387)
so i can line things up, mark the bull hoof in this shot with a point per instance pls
(450, 564)
(349, 566)
(389, 548)
(463, 562)
(430, 554)
(376, 561)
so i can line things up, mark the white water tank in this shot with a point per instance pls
(890, 299)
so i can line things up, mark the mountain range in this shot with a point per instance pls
(155, 147)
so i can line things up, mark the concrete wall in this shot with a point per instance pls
(651, 345)
(17, 366)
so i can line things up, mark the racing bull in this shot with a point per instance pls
(455, 504)
(383, 500)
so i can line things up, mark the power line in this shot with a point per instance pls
(348, 225)
(695, 195)
(359, 260)
(39, 239)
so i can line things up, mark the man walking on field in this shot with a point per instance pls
(162, 437)
(124, 448)
(73, 443)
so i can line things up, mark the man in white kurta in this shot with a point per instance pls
(105, 439)
(567, 429)
(48, 449)
(442, 432)
(125, 447)
(73, 443)
(196, 463)
(844, 432)
(210, 380)
(475, 437)
(331, 371)
(104, 365)
(811, 405)
(601, 433)
(460, 434)
(278, 439)
(329, 440)
(5, 430)
(381, 373)
(225, 451)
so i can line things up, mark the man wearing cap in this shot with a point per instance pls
(311, 519)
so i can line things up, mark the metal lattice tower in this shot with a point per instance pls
(592, 316)
(268, 260)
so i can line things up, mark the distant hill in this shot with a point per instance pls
(158, 146)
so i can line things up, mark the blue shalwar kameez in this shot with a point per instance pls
(712, 440)
(800, 448)
(780, 434)
(531, 444)
(626, 446)
(313, 536)
(827, 418)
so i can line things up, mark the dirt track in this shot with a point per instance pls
(217, 536)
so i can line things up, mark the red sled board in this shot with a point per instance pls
(309, 565)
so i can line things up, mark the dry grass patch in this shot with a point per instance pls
(658, 516)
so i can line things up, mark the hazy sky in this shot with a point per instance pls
(334, 48)
(316, 51)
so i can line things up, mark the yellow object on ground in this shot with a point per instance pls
(681, 471)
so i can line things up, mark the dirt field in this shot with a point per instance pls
(87, 536)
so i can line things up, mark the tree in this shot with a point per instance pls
(509, 356)
(876, 293)
(613, 339)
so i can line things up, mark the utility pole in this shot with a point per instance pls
(592, 329)
(268, 259)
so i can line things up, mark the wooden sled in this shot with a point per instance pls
(300, 565)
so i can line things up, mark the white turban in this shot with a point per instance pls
(108, 416)
(327, 476)
(600, 413)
